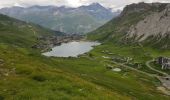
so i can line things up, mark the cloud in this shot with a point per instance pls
(74, 3)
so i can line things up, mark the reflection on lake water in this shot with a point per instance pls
(71, 49)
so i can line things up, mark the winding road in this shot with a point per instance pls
(131, 68)
(166, 83)
(158, 71)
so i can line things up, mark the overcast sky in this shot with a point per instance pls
(73, 3)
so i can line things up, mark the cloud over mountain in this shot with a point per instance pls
(73, 3)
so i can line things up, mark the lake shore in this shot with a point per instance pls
(45, 44)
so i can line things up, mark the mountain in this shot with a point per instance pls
(15, 32)
(69, 20)
(144, 23)
(25, 74)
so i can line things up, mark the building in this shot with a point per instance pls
(166, 66)
(164, 62)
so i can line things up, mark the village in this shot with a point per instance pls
(164, 62)
(46, 43)
(157, 67)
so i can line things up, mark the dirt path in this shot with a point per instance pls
(148, 74)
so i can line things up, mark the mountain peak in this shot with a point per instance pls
(96, 4)
(93, 6)
(138, 7)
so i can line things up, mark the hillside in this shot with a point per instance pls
(27, 75)
(144, 24)
(19, 33)
(69, 20)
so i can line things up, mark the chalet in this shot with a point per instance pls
(164, 62)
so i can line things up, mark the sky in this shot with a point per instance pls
(114, 4)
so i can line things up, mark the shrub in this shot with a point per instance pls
(39, 78)
(2, 98)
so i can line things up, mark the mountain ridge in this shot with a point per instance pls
(68, 20)
(138, 24)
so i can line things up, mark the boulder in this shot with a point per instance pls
(1, 61)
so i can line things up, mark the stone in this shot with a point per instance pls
(1, 61)
(116, 69)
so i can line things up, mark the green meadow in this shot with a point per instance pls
(27, 75)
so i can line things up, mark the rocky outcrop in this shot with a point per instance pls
(158, 23)
(142, 7)
(135, 8)
(1, 62)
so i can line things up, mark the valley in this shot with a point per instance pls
(120, 68)
(78, 76)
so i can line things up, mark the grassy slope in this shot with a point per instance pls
(112, 33)
(26, 75)
(20, 33)
(38, 78)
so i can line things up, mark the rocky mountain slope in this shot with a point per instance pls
(157, 23)
(69, 20)
(146, 24)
